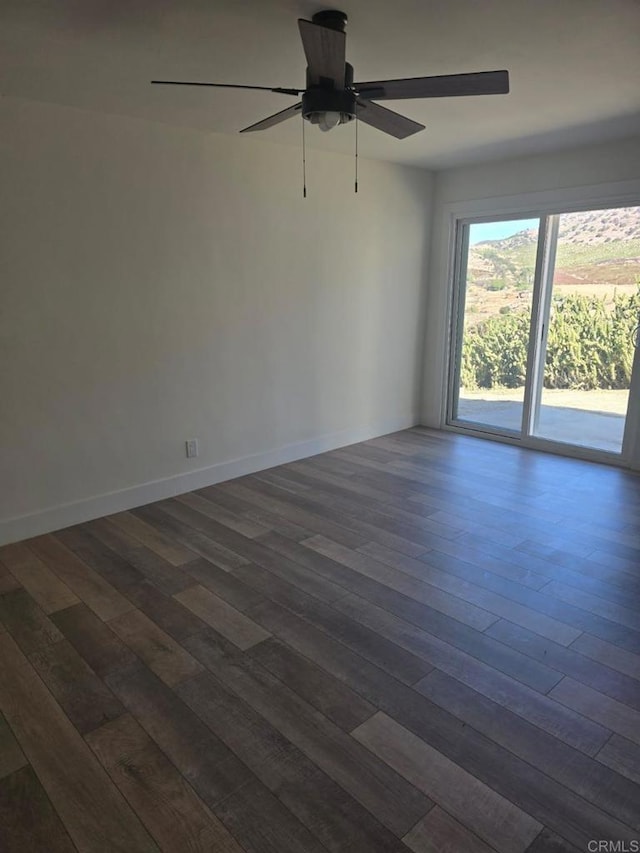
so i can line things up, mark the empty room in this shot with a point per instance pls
(320, 426)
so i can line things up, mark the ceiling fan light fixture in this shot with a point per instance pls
(329, 120)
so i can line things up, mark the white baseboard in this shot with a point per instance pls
(56, 517)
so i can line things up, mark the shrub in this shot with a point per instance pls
(589, 346)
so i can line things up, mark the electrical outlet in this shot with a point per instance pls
(192, 447)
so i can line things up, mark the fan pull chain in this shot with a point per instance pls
(356, 184)
(304, 163)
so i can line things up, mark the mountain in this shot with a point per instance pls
(594, 247)
(600, 226)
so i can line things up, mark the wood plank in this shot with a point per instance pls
(364, 532)
(410, 519)
(113, 568)
(78, 690)
(593, 603)
(480, 645)
(603, 578)
(297, 514)
(209, 766)
(453, 632)
(438, 832)
(541, 555)
(30, 627)
(566, 660)
(191, 537)
(11, 756)
(155, 540)
(167, 613)
(158, 650)
(485, 525)
(470, 511)
(335, 700)
(39, 581)
(235, 723)
(597, 580)
(395, 803)
(8, 583)
(87, 584)
(621, 563)
(578, 772)
(483, 550)
(522, 700)
(462, 637)
(596, 706)
(608, 654)
(93, 811)
(93, 639)
(517, 488)
(478, 572)
(253, 550)
(28, 821)
(399, 662)
(345, 474)
(167, 577)
(244, 526)
(213, 610)
(623, 756)
(471, 802)
(547, 605)
(411, 536)
(509, 608)
(549, 842)
(174, 814)
(224, 584)
(262, 824)
(404, 583)
(262, 516)
(550, 803)
(337, 820)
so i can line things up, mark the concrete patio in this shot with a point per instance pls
(592, 419)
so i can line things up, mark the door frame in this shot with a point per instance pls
(549, 204)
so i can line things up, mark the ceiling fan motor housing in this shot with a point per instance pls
(320, 99)
(332, 19)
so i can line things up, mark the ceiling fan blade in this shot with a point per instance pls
(445, 86)
(295, 92)
(386, 120)
(325, 50)
(276, 118)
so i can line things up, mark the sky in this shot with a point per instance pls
(480, 231)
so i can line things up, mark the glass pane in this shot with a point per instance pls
(595, 308)
(497, 313)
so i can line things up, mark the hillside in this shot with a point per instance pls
(594, 248)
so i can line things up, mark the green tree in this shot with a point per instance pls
(589, 345)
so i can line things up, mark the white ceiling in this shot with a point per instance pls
(574, 67)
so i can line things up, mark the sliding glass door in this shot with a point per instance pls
(497, 273)
(546, 318)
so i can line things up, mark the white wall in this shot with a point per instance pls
(160, 284)
(578, 177)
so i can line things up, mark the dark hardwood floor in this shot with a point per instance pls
(424, 641)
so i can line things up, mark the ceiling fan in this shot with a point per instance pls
(332, 98)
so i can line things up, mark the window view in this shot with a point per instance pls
(497, 314)
(588, 315)
(595, 309)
